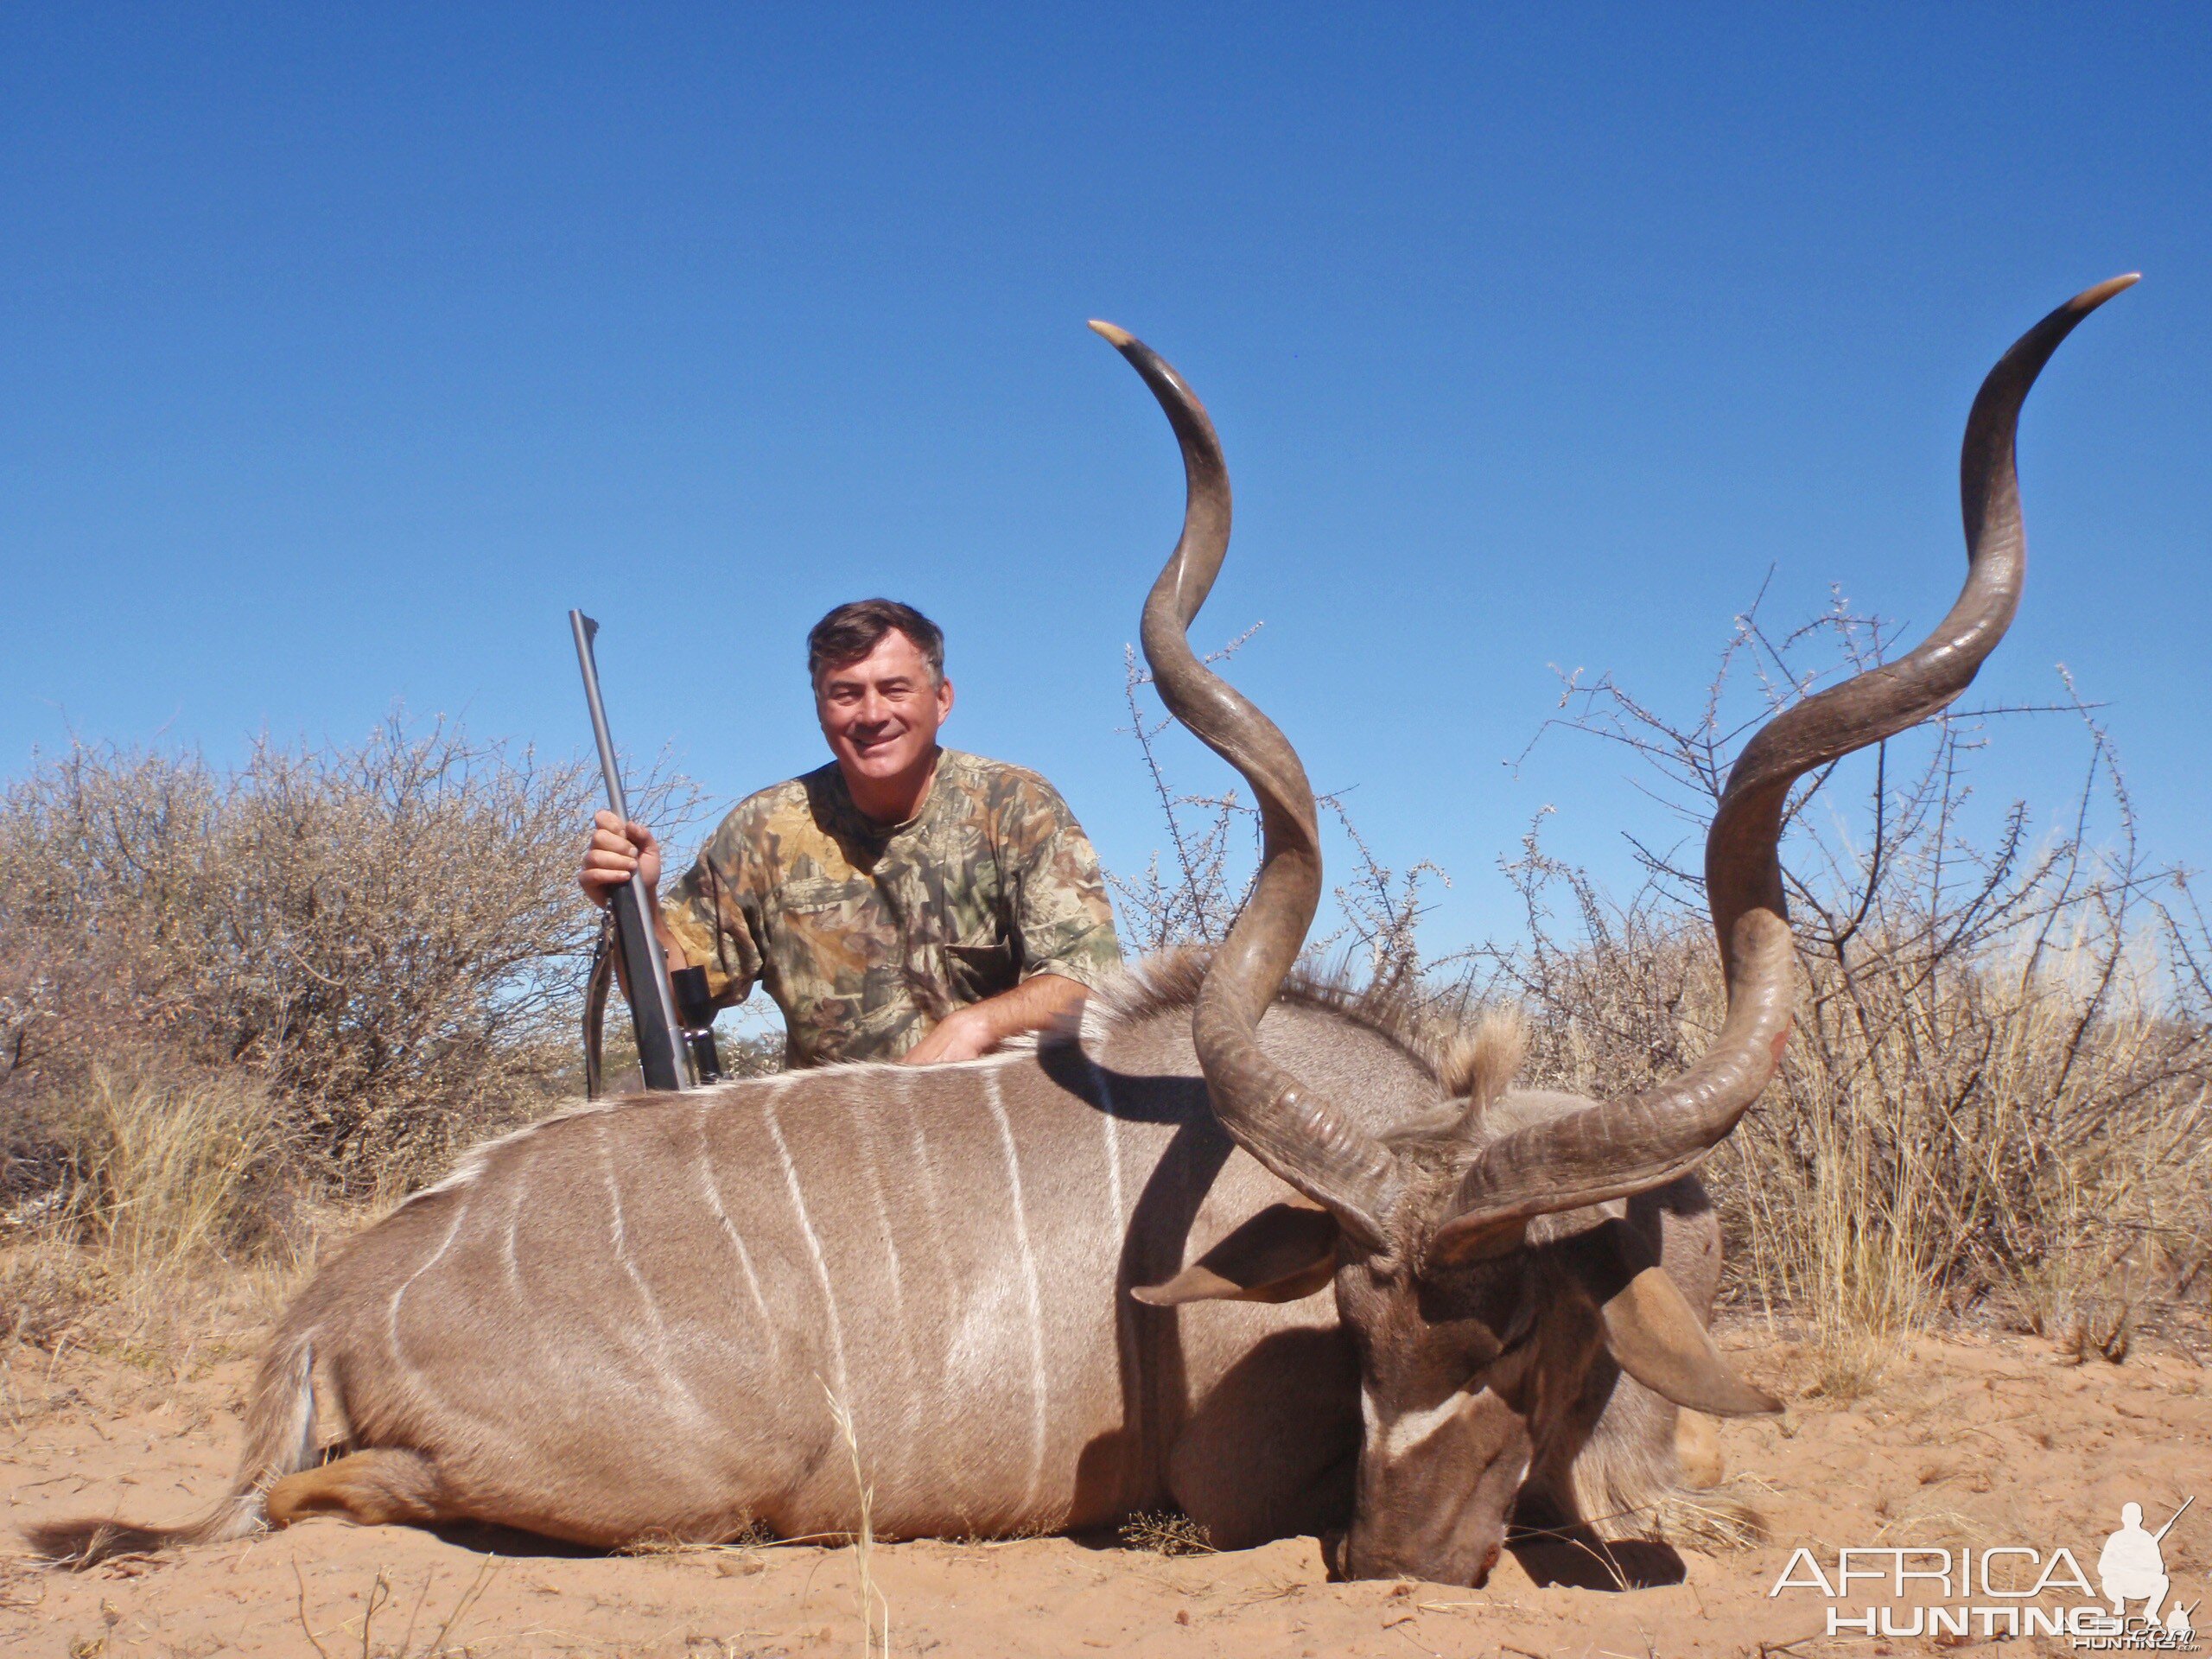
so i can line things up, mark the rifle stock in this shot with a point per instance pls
(645, 972)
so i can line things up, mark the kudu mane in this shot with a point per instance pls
(1471, 1061)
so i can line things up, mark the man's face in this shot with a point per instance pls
(881, 712)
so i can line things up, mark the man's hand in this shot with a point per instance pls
(964, 1034)
(617, 851)
(970, 1033)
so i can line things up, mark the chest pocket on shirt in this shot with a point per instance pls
(982, 970)
(814, 896)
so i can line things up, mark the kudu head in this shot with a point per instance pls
(1473, 1269)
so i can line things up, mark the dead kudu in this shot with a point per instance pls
(630, 1321)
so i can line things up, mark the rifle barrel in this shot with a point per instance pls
(653, 1005)
(586, 630)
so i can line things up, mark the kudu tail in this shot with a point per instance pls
(279, 1442)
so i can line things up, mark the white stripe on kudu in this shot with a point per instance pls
(509, 1266)
(926, 1172)
(925, 1454)
(392, 1312)
(863, 1112)
(664, 1356)
(991, 1093)
(712, 1188)
(864, 1141)
(813, 1245)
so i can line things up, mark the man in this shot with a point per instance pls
(906, 901)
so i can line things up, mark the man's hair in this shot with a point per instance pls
(852, 631)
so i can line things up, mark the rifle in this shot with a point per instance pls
(675, 1046)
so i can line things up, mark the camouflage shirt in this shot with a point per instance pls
(867, 935)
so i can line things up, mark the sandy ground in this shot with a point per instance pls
(1973, 1441)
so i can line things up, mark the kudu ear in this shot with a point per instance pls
(1652, 1331)
(1286, 1251)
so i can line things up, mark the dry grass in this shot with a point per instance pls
(381, 1600)
(1164, 1532)
(2030, 1137)
(875, 1610)
(48, 1288)
(1995, 1136)
(163, 1166)
(161, 1178)
(1722, 1519)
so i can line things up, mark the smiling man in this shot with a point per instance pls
(906, 902)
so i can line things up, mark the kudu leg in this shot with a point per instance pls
(1697, 1449)
(388, 1486)
(1271, 1452)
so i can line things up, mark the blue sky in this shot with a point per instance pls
(342, 349)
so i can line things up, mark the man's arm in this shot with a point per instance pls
(1037, 1003)
(1065, 925)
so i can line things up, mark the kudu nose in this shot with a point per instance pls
(1444, 1564)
